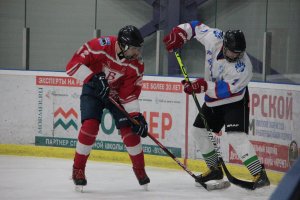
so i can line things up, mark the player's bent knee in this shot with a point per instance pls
(89, 131)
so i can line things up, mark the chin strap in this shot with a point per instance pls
(121, 55)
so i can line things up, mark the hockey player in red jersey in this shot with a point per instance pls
(110, 67)
(228, 71)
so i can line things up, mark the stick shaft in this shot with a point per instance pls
(157, 142)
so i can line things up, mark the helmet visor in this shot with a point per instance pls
(133, 53)
(232, 56)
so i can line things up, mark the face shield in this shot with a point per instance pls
(232, 56)
(132, 52)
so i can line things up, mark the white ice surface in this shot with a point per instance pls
(30, 178)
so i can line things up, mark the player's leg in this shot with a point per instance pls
(204, 144)
(91, 112)
(236, 126)
(135, 151)
(133, 145)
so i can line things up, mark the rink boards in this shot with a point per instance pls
(42, 108)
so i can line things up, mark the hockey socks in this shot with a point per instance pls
(245, 151)
(206, 147)
(136, 154)
(134, 147)
(86, 138)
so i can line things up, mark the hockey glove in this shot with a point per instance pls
(175, 39)
(141, 128)
(197, 86)
(100, 85)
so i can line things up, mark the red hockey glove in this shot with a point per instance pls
(175, 39)
(198, 86)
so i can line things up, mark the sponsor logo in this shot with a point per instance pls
(104, 145)
(104, 41)
(61, 117)
(40, 111)
(232, 125)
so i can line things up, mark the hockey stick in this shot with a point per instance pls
(160, 145)
(232, 179)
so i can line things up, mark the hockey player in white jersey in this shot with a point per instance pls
(228, 71)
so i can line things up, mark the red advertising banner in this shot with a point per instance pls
(162, 86)
(274, 156)
(57, 81)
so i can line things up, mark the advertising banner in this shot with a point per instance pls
(59, 115)
(42, 108)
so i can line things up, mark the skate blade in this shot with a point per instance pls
(79, 188)
(145, 187)
(215, 185)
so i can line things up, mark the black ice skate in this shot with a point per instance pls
(261, 179)
(142, 177)
(215, 177)
(79, 179)
(213, 173)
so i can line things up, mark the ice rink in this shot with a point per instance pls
(31, 178)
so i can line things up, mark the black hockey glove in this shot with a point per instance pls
(141, 128)
(100, 85)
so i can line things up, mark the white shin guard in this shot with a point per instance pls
(203, 143)
(241, 145)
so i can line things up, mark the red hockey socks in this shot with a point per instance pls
(134, 147)
(86, 138)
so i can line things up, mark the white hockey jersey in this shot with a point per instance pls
(226, 81)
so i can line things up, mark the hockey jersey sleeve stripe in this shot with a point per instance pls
(73, 69)
(132, 106)
(80, 72)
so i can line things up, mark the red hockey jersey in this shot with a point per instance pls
(124, 76)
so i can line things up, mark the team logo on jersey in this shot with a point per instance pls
(104, 41)
(112, 75)
(240, 66)
(209, 52)
(218, 34)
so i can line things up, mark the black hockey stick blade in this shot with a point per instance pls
(241, 183)
(121, 109)
(232, 179)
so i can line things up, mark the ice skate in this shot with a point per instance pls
(213, 173)
(142, 177)
(261, 179)
(213, 179)
(79, 179)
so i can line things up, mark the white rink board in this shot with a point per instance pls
(42, 108)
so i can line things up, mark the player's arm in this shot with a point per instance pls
(180, 34)
(223, 88)
(79, 65)
(129, 95)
